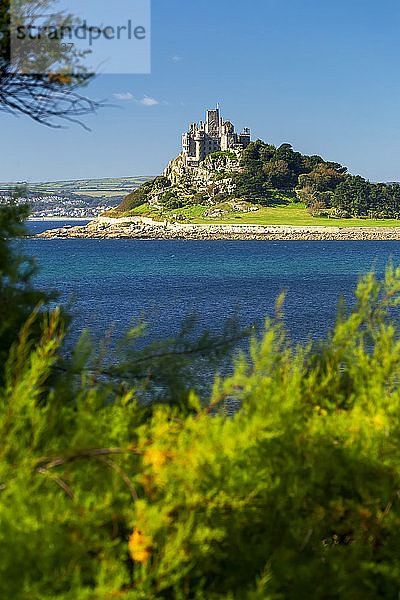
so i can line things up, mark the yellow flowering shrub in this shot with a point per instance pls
(139, 546)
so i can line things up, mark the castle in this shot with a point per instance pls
(211, 136)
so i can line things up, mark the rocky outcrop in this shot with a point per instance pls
(209, 169)
(213, 178)
(225, 208)
(181, 186)
(142, 228)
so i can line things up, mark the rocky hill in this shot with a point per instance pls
(235, 181)
(212, 182)
(261, 175)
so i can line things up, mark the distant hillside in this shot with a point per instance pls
(72, 198)
(96, 188)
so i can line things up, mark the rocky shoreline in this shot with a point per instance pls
(144, 228)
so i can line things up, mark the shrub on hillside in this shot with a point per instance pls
(141, 194)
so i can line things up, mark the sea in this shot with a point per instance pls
(113, 283)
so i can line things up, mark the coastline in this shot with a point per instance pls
(145, 228)
(59, 219)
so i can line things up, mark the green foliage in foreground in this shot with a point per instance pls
(18, 296)
(296, 495)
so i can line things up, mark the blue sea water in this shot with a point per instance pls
(115, 281)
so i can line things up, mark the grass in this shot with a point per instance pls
(193, 213)
(281, 214)
(296, 214)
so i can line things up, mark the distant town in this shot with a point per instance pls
(58, 206)
(83, 199)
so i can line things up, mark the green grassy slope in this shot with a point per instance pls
(281, 214)
(296, 214)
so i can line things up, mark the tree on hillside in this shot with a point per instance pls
(278, 174)
(252, 152)
(336, 167)
(252, 187)
(392, 195)
(353, 195)
(321, 179)
(309, 163)
(293, 159)
(266, 152)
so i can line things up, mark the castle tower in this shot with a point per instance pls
(244, 137)
(212, 123)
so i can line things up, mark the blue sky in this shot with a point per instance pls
(322, 76)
